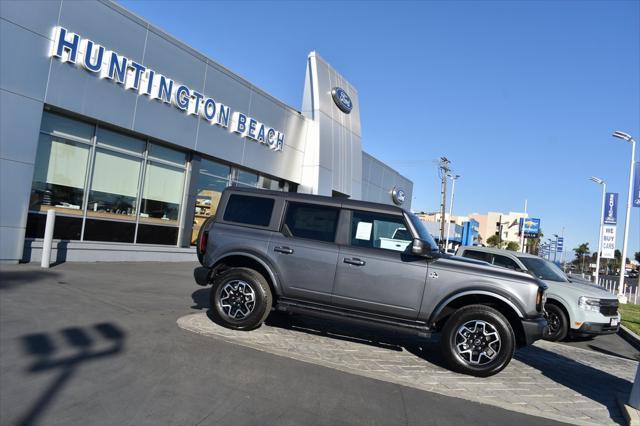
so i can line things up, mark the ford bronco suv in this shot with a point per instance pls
(367, 263)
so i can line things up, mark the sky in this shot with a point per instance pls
(521, 96)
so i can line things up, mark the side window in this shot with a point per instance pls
(477, 255)
(380, 231)
(249, 210)
(505, 262)
(312, 221)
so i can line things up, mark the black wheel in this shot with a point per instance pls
(205, 226)
(477, 340)
(240, 299)
(558, 323)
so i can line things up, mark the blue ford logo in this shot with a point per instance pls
(342, 100)
(398, 196)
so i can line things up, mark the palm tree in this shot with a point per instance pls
(581, 251)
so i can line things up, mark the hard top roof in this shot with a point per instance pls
(499, 251)
(310, 198)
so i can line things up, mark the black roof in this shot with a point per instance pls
(310, 198)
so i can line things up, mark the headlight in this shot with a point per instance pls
(589, 303)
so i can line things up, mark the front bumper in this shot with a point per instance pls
(594, 328)
(534, 329)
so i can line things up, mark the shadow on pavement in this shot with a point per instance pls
(612, 353)
(11, 279)
(201, 298)
(590, 382)
(100, 341)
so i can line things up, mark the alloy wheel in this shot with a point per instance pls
(477, 342)
(237, 299)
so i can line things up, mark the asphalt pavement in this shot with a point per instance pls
(98, 344)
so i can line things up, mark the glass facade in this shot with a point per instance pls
(112, 187)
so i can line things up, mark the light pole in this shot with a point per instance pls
(524, 219)
(454, 178)
(604, 190)
(627, 137)
(555, 249)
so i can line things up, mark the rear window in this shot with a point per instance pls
(312, 221)
(249, 210)
(477, 255)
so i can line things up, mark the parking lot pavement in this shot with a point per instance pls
(98, 344)
(554, 380)
(611, 344)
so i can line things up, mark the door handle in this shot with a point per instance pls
(285, 250)
(354, 261)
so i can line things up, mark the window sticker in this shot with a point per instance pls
(363, 232)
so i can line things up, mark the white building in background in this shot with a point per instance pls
(494, 223)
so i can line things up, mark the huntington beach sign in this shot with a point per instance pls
(130, 75)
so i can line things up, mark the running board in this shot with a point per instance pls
(321, 311)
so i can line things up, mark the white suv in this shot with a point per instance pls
(572, 308)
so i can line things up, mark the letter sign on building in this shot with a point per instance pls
(70, 47)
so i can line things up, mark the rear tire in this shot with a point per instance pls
(477, 340)
(241, 299)
(558, 323)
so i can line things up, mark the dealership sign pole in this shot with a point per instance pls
(627, 220)
(604, 190)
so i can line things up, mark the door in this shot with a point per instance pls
(305, 251)
(376, 272)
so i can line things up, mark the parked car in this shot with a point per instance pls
(368, 263)
(574, 307)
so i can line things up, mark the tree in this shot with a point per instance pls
(581, 251)
(513, 246)
(637, 256)
(494, 241)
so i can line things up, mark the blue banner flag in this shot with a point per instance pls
(635, 197)
(560, 244)
(530, 227)
(611, 208)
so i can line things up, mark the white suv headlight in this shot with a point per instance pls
(589, 303)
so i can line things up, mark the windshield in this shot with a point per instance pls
(543, 269)
(423, 233)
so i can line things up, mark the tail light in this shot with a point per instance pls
(202, 244)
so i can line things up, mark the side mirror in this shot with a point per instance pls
(419, 248)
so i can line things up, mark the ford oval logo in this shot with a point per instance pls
(398, 196)
(342, 100)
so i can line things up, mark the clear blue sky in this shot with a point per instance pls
(522, 97)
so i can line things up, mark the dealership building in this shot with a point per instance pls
(131, 135)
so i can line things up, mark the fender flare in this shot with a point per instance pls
(272, 276)
(440, 307)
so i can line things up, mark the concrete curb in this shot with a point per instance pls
(629, 336)
(631, 415)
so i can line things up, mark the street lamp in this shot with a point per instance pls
(555, 249)
(453, 191)
(604, 190)
(627, 137)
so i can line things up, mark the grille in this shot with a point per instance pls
(609, 308)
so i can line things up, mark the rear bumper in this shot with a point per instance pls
(534, 329)
(202, 276)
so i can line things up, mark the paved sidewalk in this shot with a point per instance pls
(548, 379)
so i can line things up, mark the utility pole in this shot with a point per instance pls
(522, 237)
(443, 169)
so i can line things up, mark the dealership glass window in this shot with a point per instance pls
(379, 231)
(244, 178)
(161, 194)
(59, 175)
(211, 181)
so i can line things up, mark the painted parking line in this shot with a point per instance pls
(547, 379)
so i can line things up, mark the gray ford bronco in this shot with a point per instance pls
(335, 257)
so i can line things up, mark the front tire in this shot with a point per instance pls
(558, 323)
(477, 340)
(241, 299)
